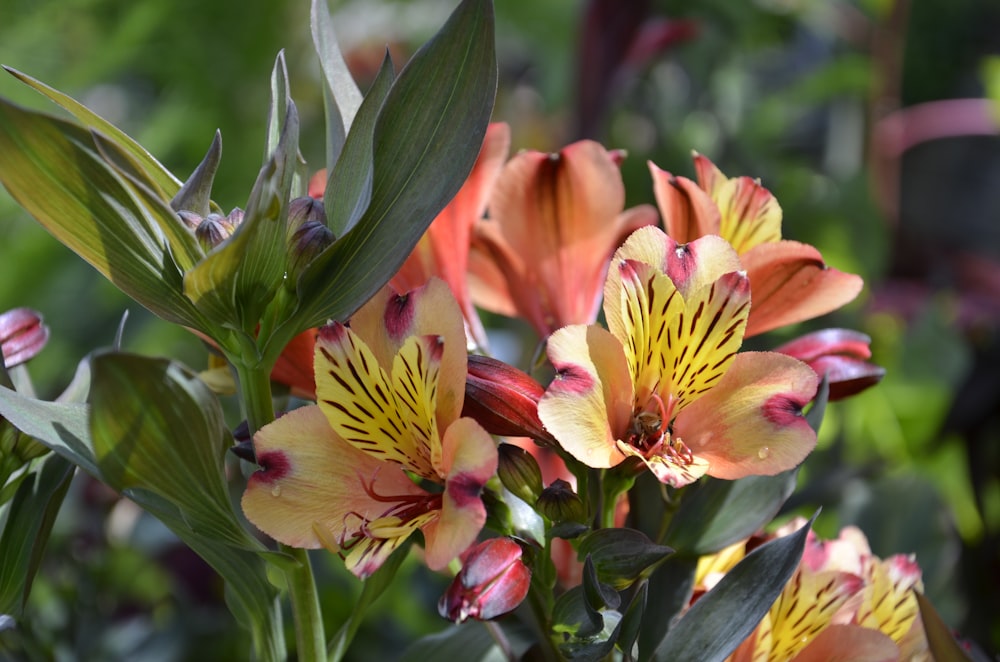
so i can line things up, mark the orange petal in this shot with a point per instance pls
(806, 607)
(554, 221)
(470, 459)
(751, 422)
(294, 367)
(588, 405)
(790, 283)
(311, 487)
(688, 212)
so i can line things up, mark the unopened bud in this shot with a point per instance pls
(309, 240)
(213, 230)
(560, 503)
(22, 335)
(493, 581)
(839, 355)
(503, 399)
(304, 210)
(519, 473)
(190, 219)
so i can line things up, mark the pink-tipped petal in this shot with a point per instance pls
(751, 423)
(312, 486)
(588, 405)
(22, 335)
(812, 346)
(791, 283)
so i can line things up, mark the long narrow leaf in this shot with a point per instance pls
(341, 96)
(722, 618)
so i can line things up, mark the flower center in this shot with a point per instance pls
(651, 435)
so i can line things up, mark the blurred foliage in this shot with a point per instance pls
(791, 91)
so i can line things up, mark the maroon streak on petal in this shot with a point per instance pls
(399, 313)
(784, 410)
(274, 466)
(571, 378)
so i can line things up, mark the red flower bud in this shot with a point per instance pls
(22, 335)
(840, 355)
(493, 581)
(503, 399)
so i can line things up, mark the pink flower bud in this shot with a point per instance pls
(840, 355)
(493, 581)
(503, 399)
(22, 335)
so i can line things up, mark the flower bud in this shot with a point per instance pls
(309, 240)
(22, 335)
(213, 230)
(493, 581)
(560, 503)
(519, 473)
(190, 219)
(503, 399)
(840, 355)
(304, 210)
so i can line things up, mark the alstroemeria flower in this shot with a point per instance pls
(789, 280)
(842, 603)
(554, 221)
(492, 582)
(389, 390)
(666, 383)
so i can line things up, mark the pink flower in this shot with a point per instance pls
(22, 335)
(492, 582)
(839, 355)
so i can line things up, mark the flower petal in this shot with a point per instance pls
(311, 488)
(470, 459)
(806, 607)
(688, 211)
(588, 405)
(791, 283)
(667, 469)
(294, 367)
(389, 318)
(360, 402)
(849, 643)
(751, 422)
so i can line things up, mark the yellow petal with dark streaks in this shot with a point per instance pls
(415, 375)
(357, 399)
(702, 340)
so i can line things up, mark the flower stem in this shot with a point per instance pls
(254, 380)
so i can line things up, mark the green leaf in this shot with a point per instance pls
(349, 183)
(375, 586)
(30, 517)
(670, 588)
(196, 194)
(722, 618)
(237, 280)
(943, 646)
(159, 436)
(61, 426)
(341, 96)
(631, 622)
(818, 409)
(53, 169)
(598, 594)
(165, 181)
(427, 138)
(573, 615)
(622, 555)
(469, 641)
(716, 513)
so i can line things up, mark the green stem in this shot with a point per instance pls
(254, 380)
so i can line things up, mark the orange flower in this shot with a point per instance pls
(554, 221)
(789, 280)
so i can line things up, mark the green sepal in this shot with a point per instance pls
(722, 618)
(196, 193)
(622, 556)
(236, 281)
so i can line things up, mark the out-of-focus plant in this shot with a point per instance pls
(656, 442)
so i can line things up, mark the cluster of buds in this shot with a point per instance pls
(213, 229)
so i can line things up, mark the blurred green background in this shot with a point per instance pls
(836, 106)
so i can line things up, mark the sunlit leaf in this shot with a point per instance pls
(53, 170)
(427, 138)
(159, 436)
(164, 179)
(722, 618)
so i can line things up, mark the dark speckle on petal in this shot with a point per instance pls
(784, 410)
(274, 466)
(399, 312)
